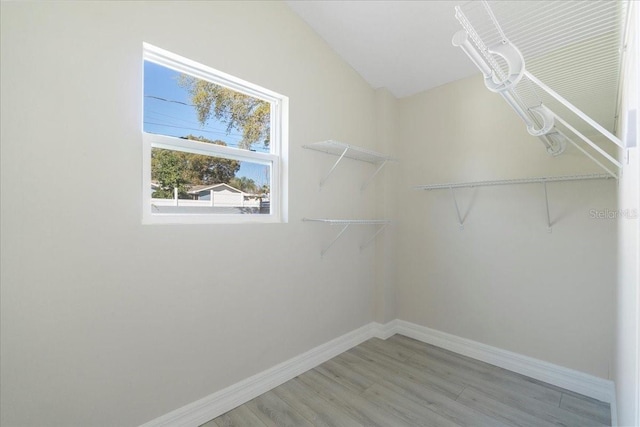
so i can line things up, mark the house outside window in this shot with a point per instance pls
(214, 146)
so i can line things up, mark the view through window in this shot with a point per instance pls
(210, 149)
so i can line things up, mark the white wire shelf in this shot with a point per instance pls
(342, 150)
(576, 48)
(346, 223)
(337, 148)
(537, 180)
(540, 180)
(349, 221)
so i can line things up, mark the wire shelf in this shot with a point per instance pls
(538, 180)
(342, 150)
(551, 59)
(336, 148)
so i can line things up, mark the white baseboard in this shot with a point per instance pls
(384, 331)
(203, 410)
(579, 382)
(218, 403)
(576, 381)
(614, 411)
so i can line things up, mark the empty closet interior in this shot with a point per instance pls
(463, 173)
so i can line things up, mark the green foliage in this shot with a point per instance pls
(244, 113)
(177, 169)
(167, 171)
(244, 184)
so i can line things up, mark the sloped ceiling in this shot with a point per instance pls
(404, 46)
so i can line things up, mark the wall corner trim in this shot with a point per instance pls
(207, 408)
(384, 331)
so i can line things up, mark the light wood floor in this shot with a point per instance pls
(403, 382)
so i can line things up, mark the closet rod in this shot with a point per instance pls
(512, 181)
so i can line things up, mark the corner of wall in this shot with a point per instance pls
(386, 136)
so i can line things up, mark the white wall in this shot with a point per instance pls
(627, 352)
(105, 321)
(503, 280)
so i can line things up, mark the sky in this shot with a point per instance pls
(168, 111)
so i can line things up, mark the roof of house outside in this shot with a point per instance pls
(200, 188)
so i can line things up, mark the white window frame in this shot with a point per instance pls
(276, 158)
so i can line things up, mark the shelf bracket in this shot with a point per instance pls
(323, 180)
(372, 238)
(455, 203)
(546, 199)
(368, 181)
(345, 223)
(324, 251)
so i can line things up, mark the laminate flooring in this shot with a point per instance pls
(401, 382)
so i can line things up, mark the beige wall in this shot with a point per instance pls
(503, 280)
(386, 188)
(103, 323)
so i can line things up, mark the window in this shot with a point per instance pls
(214, 146)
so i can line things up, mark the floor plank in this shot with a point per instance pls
(410, 411)
(319, 411)
(401, 382)
(498, 410)
(349, 378)
(451, 385)
(586, 407)
(490, 379)
(239, 417)
(362, 409)
(273, 411)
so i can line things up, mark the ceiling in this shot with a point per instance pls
(404, 46)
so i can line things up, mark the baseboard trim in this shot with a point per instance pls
(579, 382)
(384, 331)
(203, 410)
(614, 409)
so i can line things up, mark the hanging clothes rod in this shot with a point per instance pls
(545, 179)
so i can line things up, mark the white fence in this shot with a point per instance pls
(218, 201)
(223, 199)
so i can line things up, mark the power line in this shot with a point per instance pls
(178, 118)
(182, 126)
(191, 122)
(185, 120)
(186, 128)
(169, 100)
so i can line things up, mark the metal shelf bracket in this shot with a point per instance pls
(346, 223)
(372, 238)
(543, 180)
(368, 181)
(342, 150)
(455, 203)
(546, 199)
(324, 251)
(323, 180)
